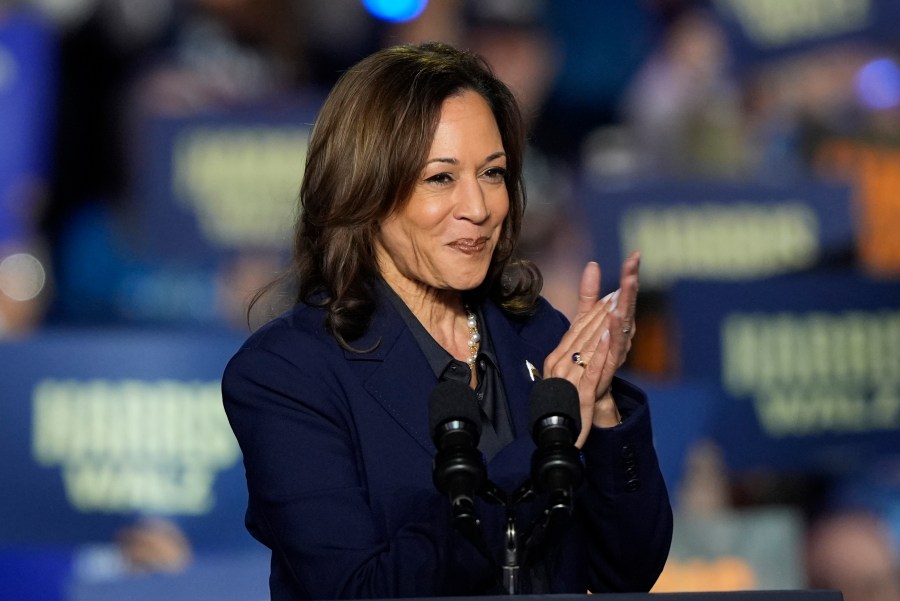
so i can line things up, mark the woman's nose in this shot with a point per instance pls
(472, 203)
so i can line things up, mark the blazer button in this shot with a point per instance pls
(627, 451)
(633, 484)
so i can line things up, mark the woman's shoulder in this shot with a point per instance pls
(542, 322)
(292, 357)
(545, 312)
(541, 314)
(296, 332)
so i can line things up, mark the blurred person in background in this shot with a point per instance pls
(795, 104)
(222, 54)
(101, 44)
(600, 44)
(683, 106)
(853, 551)
(853, 542)
(126, 64)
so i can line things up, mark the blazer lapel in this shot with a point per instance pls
(396, 373)
(512, 353)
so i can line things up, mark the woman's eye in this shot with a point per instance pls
(496, 173)
(440, 178)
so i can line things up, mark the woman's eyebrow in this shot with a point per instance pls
(452, 161)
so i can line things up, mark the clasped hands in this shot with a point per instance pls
(597, 344)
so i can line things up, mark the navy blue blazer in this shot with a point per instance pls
(338, 461)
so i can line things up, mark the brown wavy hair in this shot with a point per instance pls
(366, 152)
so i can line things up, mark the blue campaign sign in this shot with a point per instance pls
(759, 30)
(212, 184)
(807, 367)
(718, 230)
(99, 428)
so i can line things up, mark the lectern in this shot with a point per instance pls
(782, 595)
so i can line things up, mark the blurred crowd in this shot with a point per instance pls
(621, 90)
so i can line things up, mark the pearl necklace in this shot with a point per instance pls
(474, 337)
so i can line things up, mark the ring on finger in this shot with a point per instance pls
(577, 360)
(626, 330)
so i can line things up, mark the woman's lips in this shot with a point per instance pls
(469, 246)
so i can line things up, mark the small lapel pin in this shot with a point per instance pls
(533, 373)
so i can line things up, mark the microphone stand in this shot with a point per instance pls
(512, 549)
(510, 570)
(466, 520)
(516, 555)
(554, 517)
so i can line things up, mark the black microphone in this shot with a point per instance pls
(459, 469)
(556, 422)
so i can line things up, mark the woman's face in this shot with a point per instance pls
(443, 237)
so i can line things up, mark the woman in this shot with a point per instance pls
(411, 203)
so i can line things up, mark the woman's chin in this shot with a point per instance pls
(464, 284)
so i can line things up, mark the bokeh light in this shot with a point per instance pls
(395, 10)
(22, 276)
(878, 84)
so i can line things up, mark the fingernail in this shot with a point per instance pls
(604, 335)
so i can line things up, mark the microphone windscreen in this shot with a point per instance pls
(452, 400)
(555, 396)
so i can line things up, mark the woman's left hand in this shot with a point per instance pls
(597, 343)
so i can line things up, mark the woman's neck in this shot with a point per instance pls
(441, 312)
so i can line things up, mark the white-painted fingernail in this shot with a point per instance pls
(604, 335)
(615, 299)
